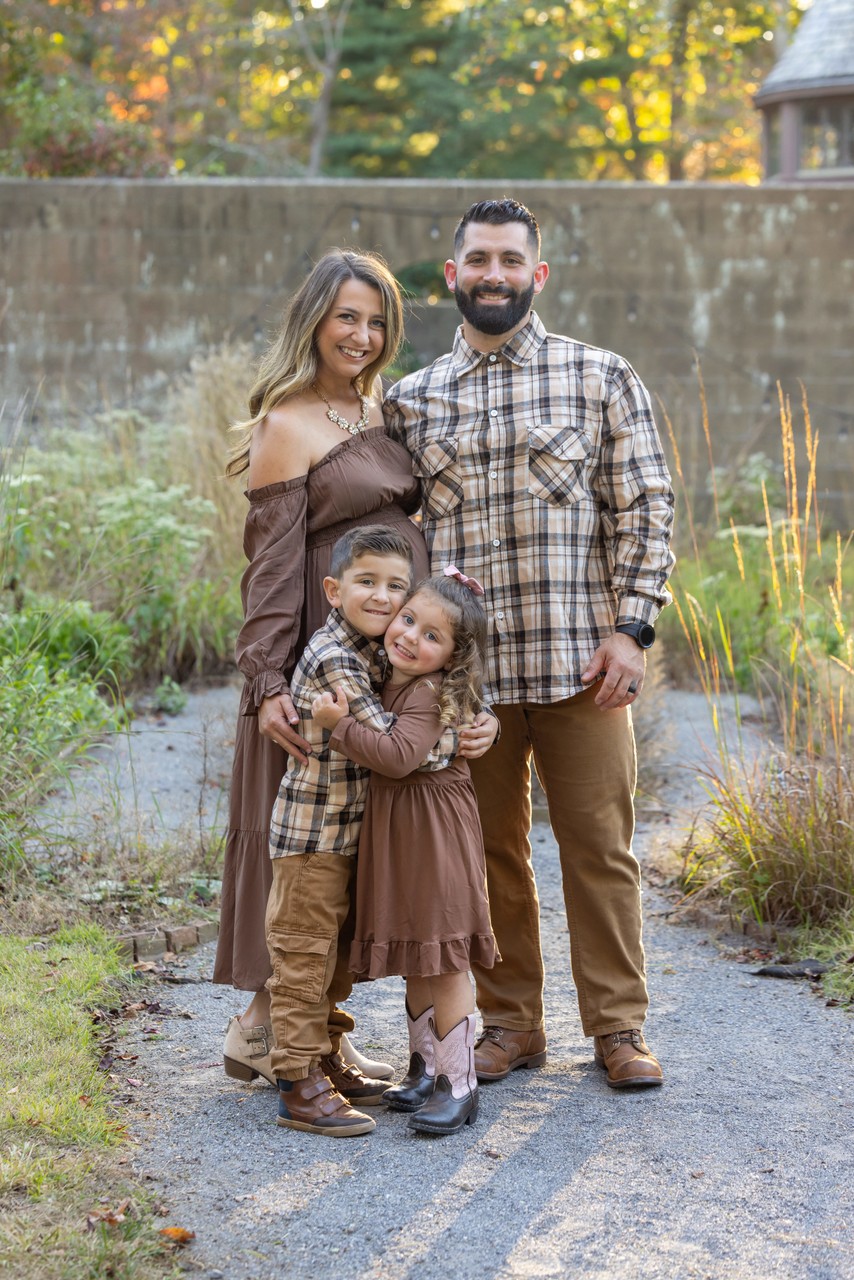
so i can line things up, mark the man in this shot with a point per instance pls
(543, 477)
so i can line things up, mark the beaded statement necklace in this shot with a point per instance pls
(334, 416)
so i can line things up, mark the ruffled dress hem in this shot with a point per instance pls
(370, 960)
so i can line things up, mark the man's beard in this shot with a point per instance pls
(491, 319)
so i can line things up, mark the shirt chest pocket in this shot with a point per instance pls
(437, 466)
(557, 457)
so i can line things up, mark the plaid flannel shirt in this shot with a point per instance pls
(542, 475)
(321, 804)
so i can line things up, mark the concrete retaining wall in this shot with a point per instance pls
(108, 288)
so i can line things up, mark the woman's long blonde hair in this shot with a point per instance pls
(289, 366)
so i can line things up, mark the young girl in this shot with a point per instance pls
(421, 904)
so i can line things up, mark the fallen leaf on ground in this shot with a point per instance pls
(177, 1236)
(107, 1217)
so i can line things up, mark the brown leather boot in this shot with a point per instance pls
(350, 1082)
(500, 1051)
(314, 1106)
(628, 1061)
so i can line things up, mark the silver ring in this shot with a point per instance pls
(633, 688)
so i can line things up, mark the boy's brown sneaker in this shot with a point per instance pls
(350, 1082)
(314, 1106)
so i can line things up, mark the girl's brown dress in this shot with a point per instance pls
(290, 529)
(421, 902)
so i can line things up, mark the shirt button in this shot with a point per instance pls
(493, 358)
(381, 652)
(493, 475)
(499, 615)
(496, 542)
(493, 413)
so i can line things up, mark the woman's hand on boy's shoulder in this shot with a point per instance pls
(330, 708)
(477, 738)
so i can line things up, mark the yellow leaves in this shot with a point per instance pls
(525, 90)
(387, 83)
(159, 47)
(422, 144)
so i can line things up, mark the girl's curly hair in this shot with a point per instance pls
(461, 695)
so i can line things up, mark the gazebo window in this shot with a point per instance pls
(827, 133)
(774, 155)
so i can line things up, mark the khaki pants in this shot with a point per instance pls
(309, 929)
(585, 760)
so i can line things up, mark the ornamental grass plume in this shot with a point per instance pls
(775, 618)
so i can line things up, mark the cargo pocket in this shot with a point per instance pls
(437, 467)
(299, 965)
(556, 459)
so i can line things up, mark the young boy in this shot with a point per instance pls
(314, 836)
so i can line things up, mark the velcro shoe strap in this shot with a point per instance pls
(316, 1088)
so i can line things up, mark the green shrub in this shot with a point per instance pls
(71, 637)
(136, 550)
(169, 697)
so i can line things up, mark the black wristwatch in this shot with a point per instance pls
(642, 632)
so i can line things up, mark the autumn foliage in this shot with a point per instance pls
(617, 89)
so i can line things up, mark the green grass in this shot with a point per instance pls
(834, 944)
(68, 1209)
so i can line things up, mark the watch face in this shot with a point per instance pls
(646, 636)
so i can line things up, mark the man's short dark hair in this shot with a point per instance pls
(368, 540)
(497, 212)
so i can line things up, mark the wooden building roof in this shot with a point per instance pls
(820, 57)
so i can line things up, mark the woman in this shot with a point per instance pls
(318, 461)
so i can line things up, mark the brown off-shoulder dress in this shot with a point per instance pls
(290, 530)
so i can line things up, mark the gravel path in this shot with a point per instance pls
(740, 1168)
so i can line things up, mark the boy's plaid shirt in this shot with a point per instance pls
(321, 804)
(542, 475)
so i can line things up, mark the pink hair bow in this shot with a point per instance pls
(451, 571)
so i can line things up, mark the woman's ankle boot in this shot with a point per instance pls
(454, 1100)
(417, 1085)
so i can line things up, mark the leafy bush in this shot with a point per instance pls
(71, 637)
(138, 551)
(169, 697)
(66, 132)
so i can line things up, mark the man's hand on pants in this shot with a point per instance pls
(621, 663)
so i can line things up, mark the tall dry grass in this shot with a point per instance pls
(779, 846)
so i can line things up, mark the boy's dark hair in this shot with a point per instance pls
(497, 212)
(368, 540)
